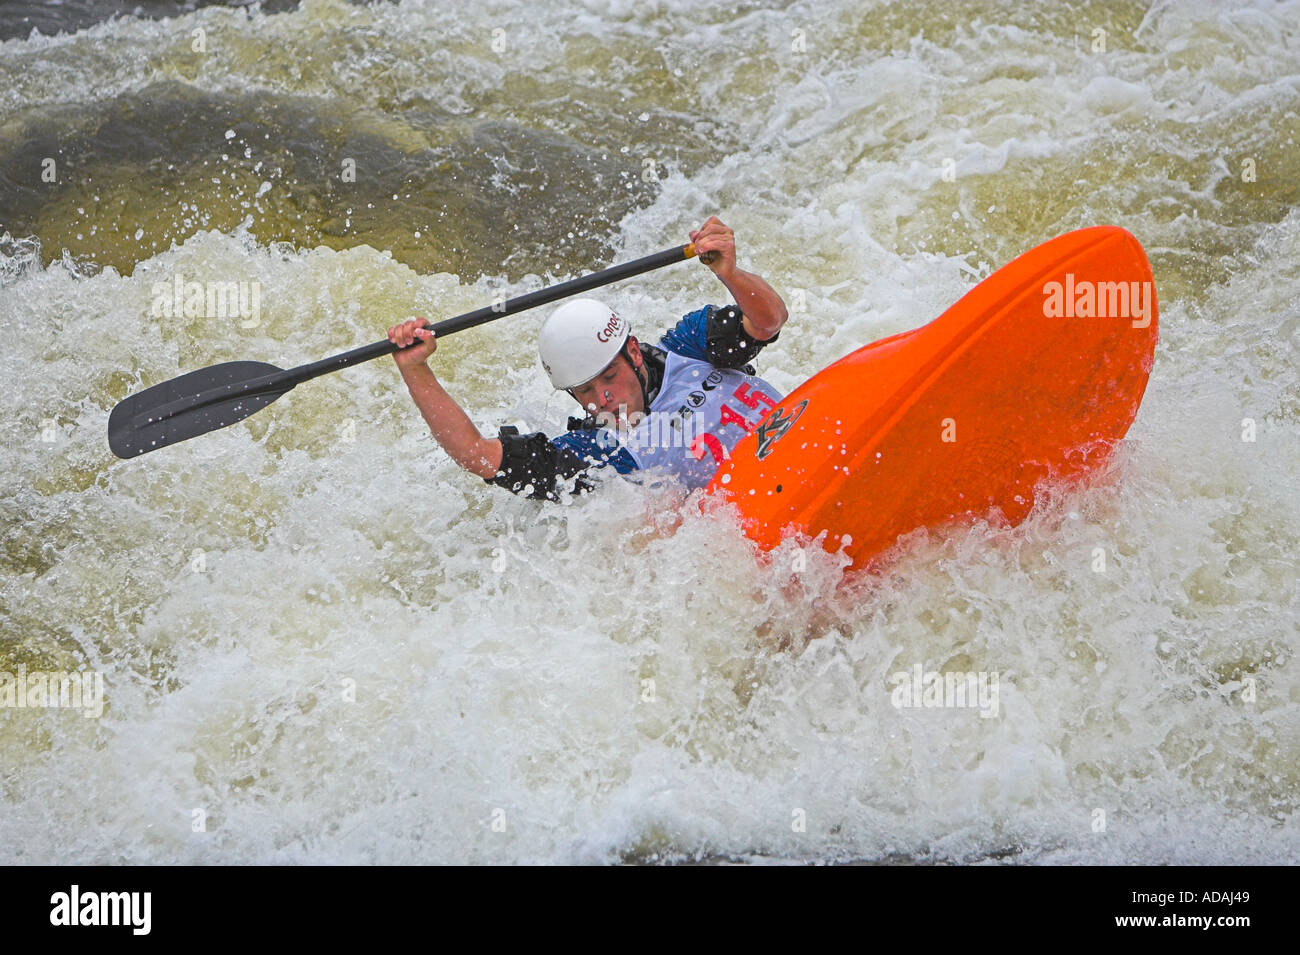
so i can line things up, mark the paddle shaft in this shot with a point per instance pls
(510, 306)
(284, 380)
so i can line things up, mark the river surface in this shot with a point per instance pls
(320, 641)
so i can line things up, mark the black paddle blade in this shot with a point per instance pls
(192, 404)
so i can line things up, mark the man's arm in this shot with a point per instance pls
(763, 309)
(450, 425)
(540, 467)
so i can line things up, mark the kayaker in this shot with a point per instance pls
(674, 408)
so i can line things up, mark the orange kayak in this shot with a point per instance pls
(1036, 372)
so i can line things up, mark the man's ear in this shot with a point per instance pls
(634, 351)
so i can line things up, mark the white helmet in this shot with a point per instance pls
(579, 340)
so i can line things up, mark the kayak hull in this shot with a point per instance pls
(1036, 372)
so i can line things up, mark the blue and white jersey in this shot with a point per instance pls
(704, 401)
(698, 416)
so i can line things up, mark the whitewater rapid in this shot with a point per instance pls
(321, 641)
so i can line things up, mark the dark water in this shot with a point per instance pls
(453, 194)
(18, 18)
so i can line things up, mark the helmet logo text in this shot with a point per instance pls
(606, 333)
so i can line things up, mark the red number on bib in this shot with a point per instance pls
(753, 398)
(730, 417)
(713, 445)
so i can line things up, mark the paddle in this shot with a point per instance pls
(220, 395)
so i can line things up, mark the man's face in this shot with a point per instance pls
(617, 389)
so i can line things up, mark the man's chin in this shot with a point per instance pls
(621, 420)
